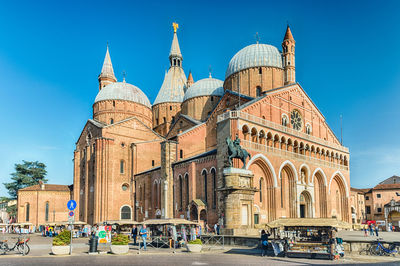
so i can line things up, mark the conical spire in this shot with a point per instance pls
(288, 34)
(190, 80)
(107, 70)
(175, 49)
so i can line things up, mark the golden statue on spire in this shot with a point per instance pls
(175, 26)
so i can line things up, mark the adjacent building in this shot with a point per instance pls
(43, 204)
(357, 205)
(4, 215)
(382, 202)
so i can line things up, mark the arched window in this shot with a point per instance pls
(260, 70)
(258, 91)
(261, 189)
(159, 195)
(308, 129)
(111, 121)
(113, 103)
(121, 166)
(27, 212)
(204, 173)
(180, 193)
(170, 107)
(284, 120)
(155, 195)
(214, 180)
(187, 188)
(125, 212)
(46, 213)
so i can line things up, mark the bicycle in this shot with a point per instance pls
(378, 249)
(21, 245)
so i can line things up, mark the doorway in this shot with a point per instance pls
(302, 211)
(305, 205)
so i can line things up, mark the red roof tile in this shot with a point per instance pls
(47, 187)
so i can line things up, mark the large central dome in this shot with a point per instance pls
(255, 55)
(122, 91)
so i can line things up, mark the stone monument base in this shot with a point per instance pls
(238, 192)
(241, 232)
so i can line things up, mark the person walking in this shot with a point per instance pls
(365, 231)
(134, 234)
(264, 242)
(376, 231)
(143, 234)
(371, 232)
(216, 229)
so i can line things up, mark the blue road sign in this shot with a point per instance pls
(71, 213)
(71, 205)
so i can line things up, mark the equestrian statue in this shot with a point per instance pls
(235, 151)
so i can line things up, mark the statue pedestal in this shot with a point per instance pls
(238, 193)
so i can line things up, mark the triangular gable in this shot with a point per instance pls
(90, 123)
(223, 104)
(292, 88)
(183, 123)
(133, 123)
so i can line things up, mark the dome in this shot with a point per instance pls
(255, 55)
(205, 87)
(122, 91)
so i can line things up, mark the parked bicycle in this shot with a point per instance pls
(21, 246)
(378, 249)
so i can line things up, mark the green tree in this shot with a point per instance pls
(25, 175)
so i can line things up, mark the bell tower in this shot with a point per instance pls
(107, 72)
(288, 46)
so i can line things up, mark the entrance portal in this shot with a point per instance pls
(305, 205)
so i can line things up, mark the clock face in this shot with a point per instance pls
(295, 120)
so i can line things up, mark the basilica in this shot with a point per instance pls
(136, 161)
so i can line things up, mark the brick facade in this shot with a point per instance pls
(43, 204)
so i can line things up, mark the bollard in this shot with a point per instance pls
(23, 253)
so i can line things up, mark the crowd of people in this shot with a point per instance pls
(182, 234)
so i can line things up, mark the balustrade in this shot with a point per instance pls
(292, 155)
(278, 127)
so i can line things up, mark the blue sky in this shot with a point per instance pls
(347, 59)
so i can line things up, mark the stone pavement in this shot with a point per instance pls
(182, 258)
(359, 236)
(41, 248)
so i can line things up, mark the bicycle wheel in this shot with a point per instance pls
(364, 251)
(25, 247)
(374, 250)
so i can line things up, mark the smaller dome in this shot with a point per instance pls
(122, 91)
(205, 87)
